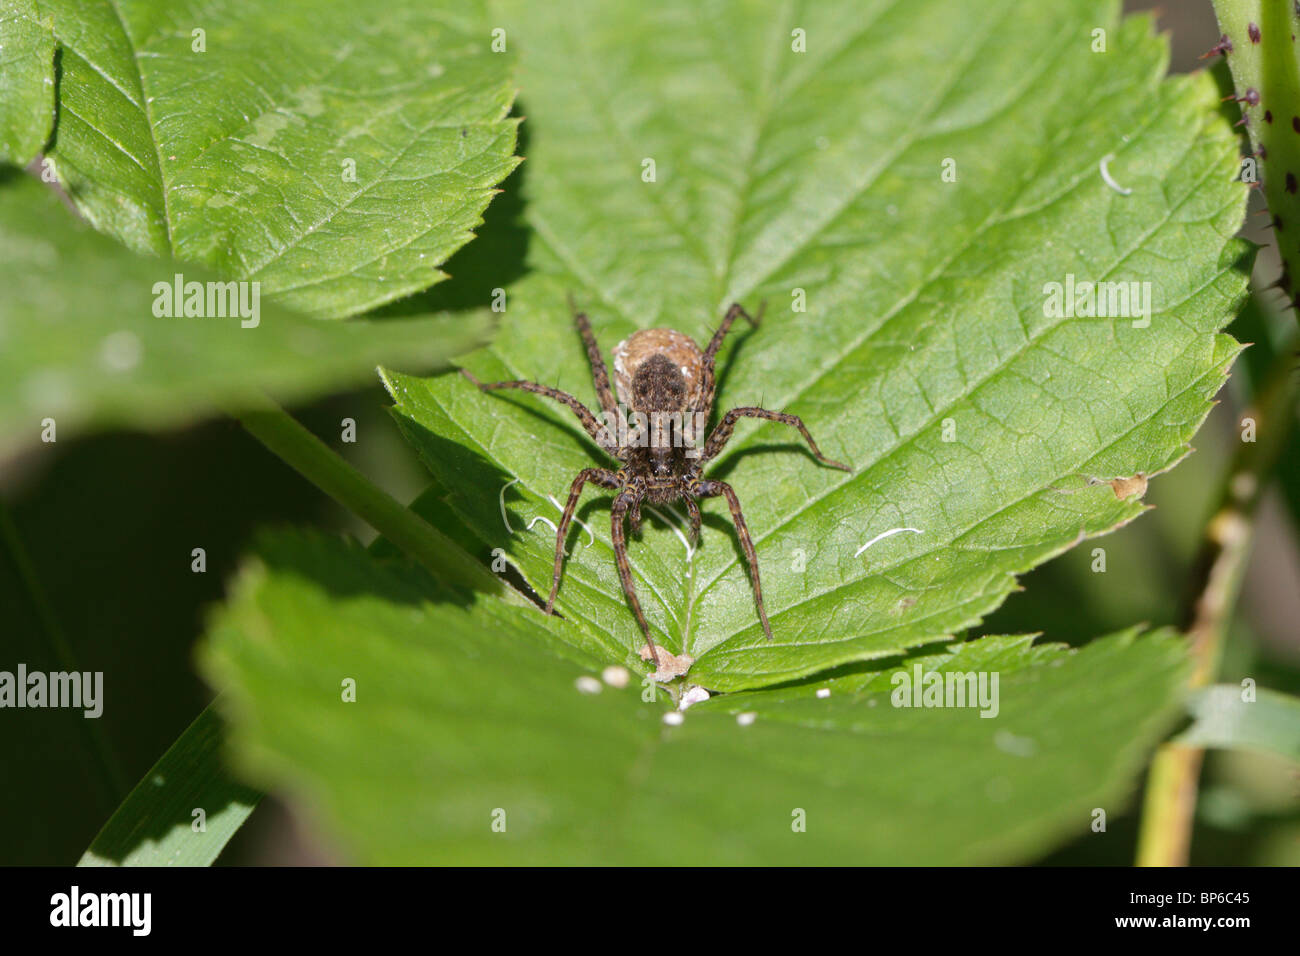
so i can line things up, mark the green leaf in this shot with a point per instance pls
(80, 344)
(1269, 721)
(26, 82)
(466, 715)
(927, 354)
(157, 824)
(227, 133)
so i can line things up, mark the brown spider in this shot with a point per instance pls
(668, 385)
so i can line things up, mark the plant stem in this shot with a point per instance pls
(1261, 56)
(325, 469)
(109, 771)
(1170, 802)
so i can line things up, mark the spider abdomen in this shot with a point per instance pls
(658, 370)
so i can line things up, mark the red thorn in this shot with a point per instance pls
(1251, 97)
(1224, 46)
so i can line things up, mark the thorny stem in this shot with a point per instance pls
(1170, 802)
(1259, 48)
(325, 469)
(109, 770)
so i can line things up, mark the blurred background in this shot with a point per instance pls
(109, 523)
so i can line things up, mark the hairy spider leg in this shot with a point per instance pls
(623, 501)
(599, 433)
(693, 509)
(708, 382)
(597, 476)
(722, 434)
(713, 489)
(598, 371)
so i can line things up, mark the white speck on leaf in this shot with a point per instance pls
(615, 676)
(694, 694)
(1104, 166)
(121, 351)
(883, 535)
(1008, 742)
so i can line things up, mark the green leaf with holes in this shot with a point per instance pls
(337, 153)
(81, 348)
(416, 728)
(928, 196)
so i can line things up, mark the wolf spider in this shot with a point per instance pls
(668, 385)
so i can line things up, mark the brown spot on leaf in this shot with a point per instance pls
(1129, 487)
(1268, 116)
(670, 665)
(1252, 30)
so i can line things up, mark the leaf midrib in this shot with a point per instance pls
(146, 108)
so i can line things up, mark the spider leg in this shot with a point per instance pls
(712, 489)
(598, 371)
(599, 433)
(617, 512)
(634, 516)
(708, 386)
(693, 510)
(736, 311)
(598, 476)
(722, 434)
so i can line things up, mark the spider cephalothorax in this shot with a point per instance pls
(666, 387)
